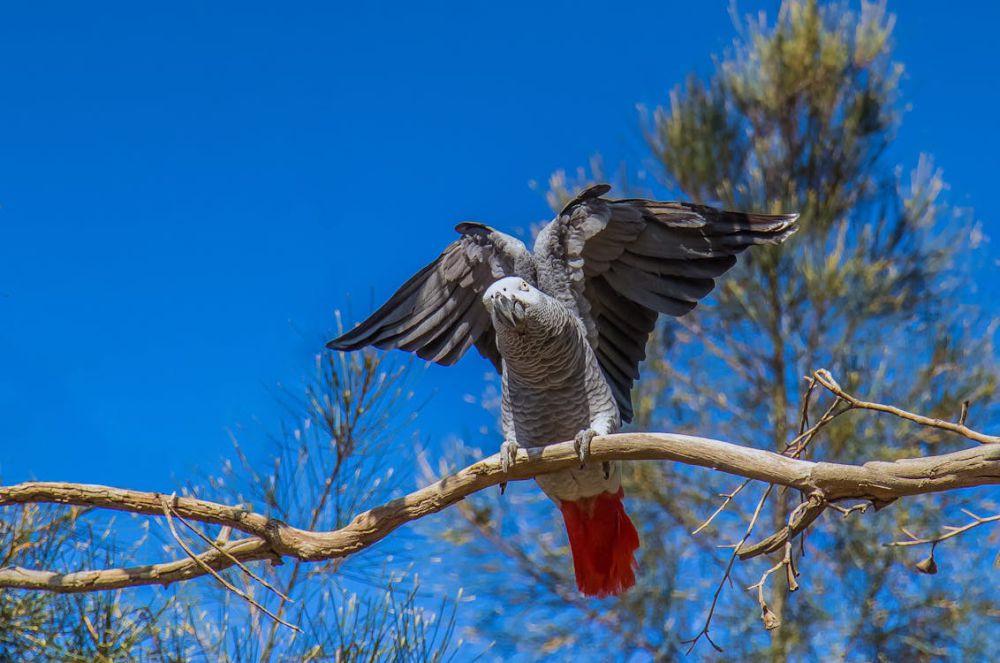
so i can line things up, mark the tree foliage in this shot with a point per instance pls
(800, 114)
(341, 453)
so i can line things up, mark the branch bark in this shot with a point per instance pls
(272, 539)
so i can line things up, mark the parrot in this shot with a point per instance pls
(566, 325)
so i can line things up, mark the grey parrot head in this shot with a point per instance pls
(513, 302)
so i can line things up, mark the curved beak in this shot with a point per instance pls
(508, 309)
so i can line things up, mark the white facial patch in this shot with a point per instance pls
(512, 287)
(507, 285)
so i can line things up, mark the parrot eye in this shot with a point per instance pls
(524, 286)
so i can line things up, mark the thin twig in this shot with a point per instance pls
(950, 531)
(825, 379)
(846, 511)
(730, 496)
(771, 620)
(215, 574)
(804, 412)
(729, 568)
(792, 449)
(801, 517)
(795, 448)
(226, 554)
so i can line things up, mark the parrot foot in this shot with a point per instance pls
(582, 444)
(606, 466)
(508, 452)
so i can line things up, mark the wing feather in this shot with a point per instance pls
(640, 258)
(438, 313)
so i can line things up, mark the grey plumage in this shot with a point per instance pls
(566, 324)
(614, 264)
(553, 387)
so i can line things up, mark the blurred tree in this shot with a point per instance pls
(877, 286)
(341, 454)
(38, 626)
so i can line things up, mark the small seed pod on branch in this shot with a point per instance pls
(770, 619)
(927, 565)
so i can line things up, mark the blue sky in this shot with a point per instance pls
(189, 190)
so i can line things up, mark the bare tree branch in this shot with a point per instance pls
(272, 539)
(168, 514)
(725, 577)
(729, 497)
(824, 378)
(798, 521)
(949, 531)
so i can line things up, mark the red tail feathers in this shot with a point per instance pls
(603, 541)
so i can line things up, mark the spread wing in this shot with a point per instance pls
(439, 313)
(637, 258)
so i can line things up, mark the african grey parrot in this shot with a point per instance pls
(566, 325)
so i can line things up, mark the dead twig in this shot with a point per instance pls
(949, 532)
(846, 511)
(223, 538)
(725, 577)
(809, 510)
(825, 379)
(169, 515)
(730, 496)
(802, 516)
(792, 449)
(772, 621)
